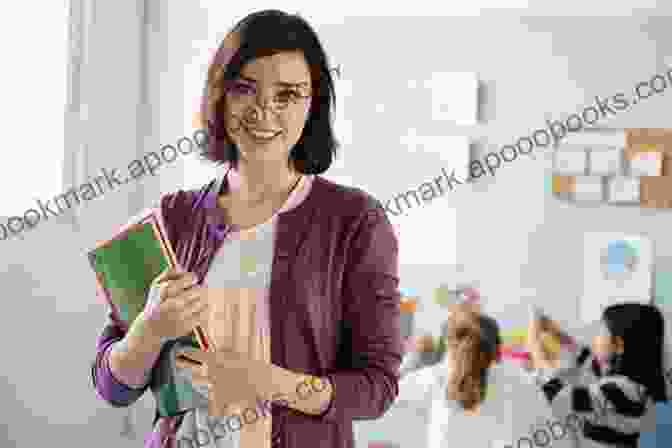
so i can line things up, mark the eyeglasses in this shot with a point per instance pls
(244, 95)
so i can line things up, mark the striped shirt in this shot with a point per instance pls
(610, 407)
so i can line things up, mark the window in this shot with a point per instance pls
(33, 91)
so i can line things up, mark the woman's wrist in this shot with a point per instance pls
(132, 358)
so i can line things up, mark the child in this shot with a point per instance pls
(623, 372)
(473, 400)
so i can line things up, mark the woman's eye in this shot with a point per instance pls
(242, 89)
(289, 95)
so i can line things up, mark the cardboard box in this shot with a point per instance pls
(656, 191)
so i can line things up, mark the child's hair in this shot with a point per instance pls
(474, 340)
(642, 328)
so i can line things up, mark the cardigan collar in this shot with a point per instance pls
(295, 205)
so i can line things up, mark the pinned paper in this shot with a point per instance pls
(646, 164)
(606, 162)
(623, 189)
(588, 188)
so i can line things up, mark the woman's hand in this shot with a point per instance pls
(175, 307)
(233, 379)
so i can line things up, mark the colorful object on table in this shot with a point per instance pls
(514, 343)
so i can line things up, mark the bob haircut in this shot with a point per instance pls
(266, 33)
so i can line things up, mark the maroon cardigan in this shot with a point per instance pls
(334, 305)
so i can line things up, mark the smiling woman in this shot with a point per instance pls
(289, 289)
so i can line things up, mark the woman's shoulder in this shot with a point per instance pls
(344, 198)
(187, 199)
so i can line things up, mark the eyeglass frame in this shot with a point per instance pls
(235, 97)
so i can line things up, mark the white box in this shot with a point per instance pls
(646, 164)
(606, 161)
(570, 161)
(454, 97)
(621, 189)
(588, 188)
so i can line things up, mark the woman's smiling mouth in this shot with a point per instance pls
(261, 135)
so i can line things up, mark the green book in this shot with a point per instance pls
(125, 267)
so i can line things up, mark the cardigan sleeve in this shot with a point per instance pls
(371, 321)
(108, 387)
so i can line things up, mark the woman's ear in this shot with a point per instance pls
(619, 345)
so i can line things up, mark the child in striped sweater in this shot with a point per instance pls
(611, 386)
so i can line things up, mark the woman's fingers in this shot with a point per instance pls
(184, 281)
(184, 300)
(196, 315)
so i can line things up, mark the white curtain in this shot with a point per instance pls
(107, 112)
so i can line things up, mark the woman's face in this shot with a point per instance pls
(267, 106)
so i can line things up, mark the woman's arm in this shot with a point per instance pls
(371, 319)
(131, 359)
(108, 387)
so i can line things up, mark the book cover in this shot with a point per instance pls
(125, 267)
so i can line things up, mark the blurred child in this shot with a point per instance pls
(472, 399)
(622, 374)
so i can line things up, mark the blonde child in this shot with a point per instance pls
(473, 400)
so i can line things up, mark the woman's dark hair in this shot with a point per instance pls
(261, 34)
(475, 339)
(642, 328)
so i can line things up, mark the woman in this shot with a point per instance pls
(474, 400)
(317, 259)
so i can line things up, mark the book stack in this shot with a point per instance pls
(125, 267)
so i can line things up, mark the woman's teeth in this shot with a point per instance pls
(264, 135)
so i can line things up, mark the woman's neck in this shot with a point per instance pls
(260, 183)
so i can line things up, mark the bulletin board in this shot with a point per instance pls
(636, 171)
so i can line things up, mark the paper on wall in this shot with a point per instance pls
(617, 268)
(588, 188)
(606, 161)
(623, 189)
(646, 164)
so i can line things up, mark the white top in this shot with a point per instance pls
(240, 274)
(514, 408)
